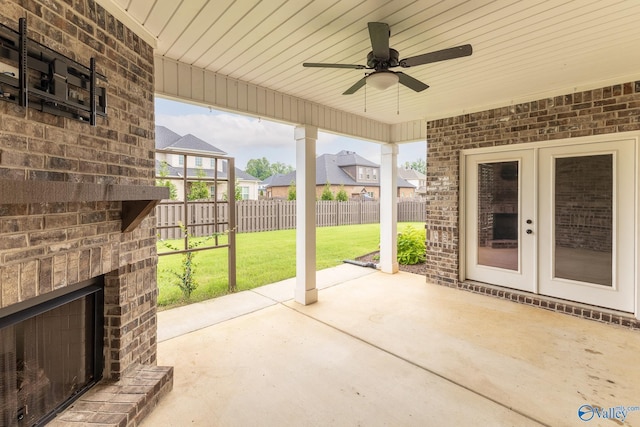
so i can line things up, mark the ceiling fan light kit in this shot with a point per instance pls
(382, 80)
(382, 57)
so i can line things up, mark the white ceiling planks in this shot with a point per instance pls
(523, 49)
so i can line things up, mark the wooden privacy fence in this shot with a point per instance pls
(269, 215)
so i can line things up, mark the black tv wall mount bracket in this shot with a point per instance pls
(35, 76)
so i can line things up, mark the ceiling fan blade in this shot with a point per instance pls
(439, 55)
(323, 65)
(355, 87)
(379, 35)
(411, 83)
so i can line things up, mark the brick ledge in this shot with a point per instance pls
(589, 312)
(122, 403)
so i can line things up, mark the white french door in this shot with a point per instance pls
(499, 204)
(558, 221)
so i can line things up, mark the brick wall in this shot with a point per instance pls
(605, 110)
(48, 246)
(584, 203)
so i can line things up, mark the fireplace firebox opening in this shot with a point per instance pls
(50, 353)
(505, 226)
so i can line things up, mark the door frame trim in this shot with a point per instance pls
(593, 139)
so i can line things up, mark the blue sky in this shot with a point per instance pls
(246, 138)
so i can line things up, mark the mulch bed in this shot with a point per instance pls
(415, 269)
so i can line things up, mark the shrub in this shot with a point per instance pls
(326, 193)
(185, 277)
(199, 189)
(163, 182)
(291, 192)
(342, 195)
(411, 246)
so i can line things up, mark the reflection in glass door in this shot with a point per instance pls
(583, 214)
(498, 214)
(498, 192)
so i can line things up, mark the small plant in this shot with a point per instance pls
(237, 193)
(411, 246)
(186, 280)
(342, 195)
(291, 192)
(199, 189)
(163, 182)
(327, 194)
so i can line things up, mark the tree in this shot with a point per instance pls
(198, 188)
(342, 195)
(259, 168)
(418, 165)
(164, 173)
(262, 169)
(237, 192)
(281, 168)
(327, 194)
(291, 195)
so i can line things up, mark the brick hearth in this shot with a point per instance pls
(121, 403)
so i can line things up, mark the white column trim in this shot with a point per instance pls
(306, 291)
(389, 209)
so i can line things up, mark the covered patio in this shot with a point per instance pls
(552, 79)
(550, 84)
(381, 349)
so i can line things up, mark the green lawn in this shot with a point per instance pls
(264, 258)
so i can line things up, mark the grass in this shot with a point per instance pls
(263, 258)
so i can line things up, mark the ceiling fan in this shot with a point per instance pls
(382, 58)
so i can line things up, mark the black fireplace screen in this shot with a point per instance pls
(505, 226)
(49, 355)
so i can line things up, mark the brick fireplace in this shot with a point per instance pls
(74, 199)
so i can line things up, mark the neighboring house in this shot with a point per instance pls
(359, 176)
(198, 164)
(418, 179)
(263, 187)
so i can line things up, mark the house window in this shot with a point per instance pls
(181, 160)
(212, 191)
(361, 173)
(370, 194)
(368, 173)
(245, 192)
(213, 163)
(375, 174)
(199, 161)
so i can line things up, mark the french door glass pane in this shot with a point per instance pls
(498, 214)
(584, 218)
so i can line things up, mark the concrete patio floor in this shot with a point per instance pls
(391, 350)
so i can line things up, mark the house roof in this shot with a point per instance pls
(410, 174)
(329, 168)
(270, 179)
(280, 180)
(167, 139)
(169, 170)
(351, 158)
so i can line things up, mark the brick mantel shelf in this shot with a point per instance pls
(137, 200)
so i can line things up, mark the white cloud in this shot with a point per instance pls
(230, 131)
(242, 137)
